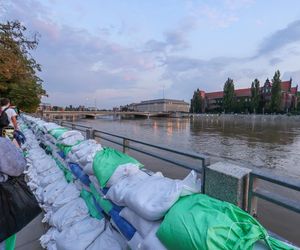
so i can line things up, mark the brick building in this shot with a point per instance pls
(213, 101)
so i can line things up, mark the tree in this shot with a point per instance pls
(255, 95)
(18, 69)
(276, 93)
(196, 102)
(229, 96)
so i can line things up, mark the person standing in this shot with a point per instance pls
(8, 118)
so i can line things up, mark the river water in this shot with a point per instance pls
(274, 147)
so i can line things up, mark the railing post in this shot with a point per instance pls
(203, 177)
(90, 134)
(252, 200)
(125, 145)
(226, 181)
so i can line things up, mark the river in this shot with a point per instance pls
(275, 147)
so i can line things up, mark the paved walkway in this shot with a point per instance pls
(28, 237)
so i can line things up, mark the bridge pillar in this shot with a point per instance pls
(125, 145)
(228, 182)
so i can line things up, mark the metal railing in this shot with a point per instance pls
(255, 192)
(125, 143)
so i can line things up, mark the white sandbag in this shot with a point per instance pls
(50, 125)
(52, 190)
(42, 191)
(72, 140)
(90, 149)
(80, 146)
(117, 192)
(68, 194)
(51, 178)
(135, 242)
(69, 133)
(151, 241)
(74, 211)
(154, 196)
(122, 172)
(140, 224)
(109, 239)
(80, 235)
(49, 236)
(88, 168)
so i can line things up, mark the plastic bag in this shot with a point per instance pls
(18, 206)
(8, 151)
(68, 194)
(80, 235)
(107, 161)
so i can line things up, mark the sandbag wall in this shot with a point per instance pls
(96, 197)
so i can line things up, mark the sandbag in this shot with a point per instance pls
(107, 161)
(110, 239)
(153, 197)
(202, 222)
(58, 132)
(140, 224)
(69, 193)
(18, 206)
(72, 212)
(80, 235)
(118, 191)
(12, 161)
(151, 241)
(122, 172)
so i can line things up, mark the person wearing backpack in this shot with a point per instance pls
(8, 116)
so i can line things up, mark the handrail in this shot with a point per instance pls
(201, 157)
(255, 192)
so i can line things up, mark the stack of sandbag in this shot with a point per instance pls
(71, 213)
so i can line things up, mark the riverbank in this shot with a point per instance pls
(249, 118)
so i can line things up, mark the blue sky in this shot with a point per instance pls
(118, 52)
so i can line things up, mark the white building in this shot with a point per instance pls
(162, 105)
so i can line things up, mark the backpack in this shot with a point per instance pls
(4, 122)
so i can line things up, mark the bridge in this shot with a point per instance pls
(75, 115)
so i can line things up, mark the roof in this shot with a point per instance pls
(220, 94)
(162, 101)
(243, 92)
(294, 90)
(286, 85)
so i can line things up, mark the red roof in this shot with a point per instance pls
(243, 92)
(286, 85)
(214, 95)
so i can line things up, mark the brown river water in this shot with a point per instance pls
(272, 147)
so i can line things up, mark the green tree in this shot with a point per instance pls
(196, 102)
(229, 96)
(255, 95)
(18, 69)
(276, 93)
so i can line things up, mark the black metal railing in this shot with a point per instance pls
(255, 192)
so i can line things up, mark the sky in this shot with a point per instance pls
(111, 53)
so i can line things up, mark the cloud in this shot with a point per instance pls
(280, 39)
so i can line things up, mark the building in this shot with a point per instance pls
(213, 101)
(162, 105)
(44, 107)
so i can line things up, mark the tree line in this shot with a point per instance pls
(254, 104)
(18, 69)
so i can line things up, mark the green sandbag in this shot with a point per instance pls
(107, 161)
(103, 203)
(201, 222)
(57, 132)
(10, 242)
(68, 174)
(89, 201)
